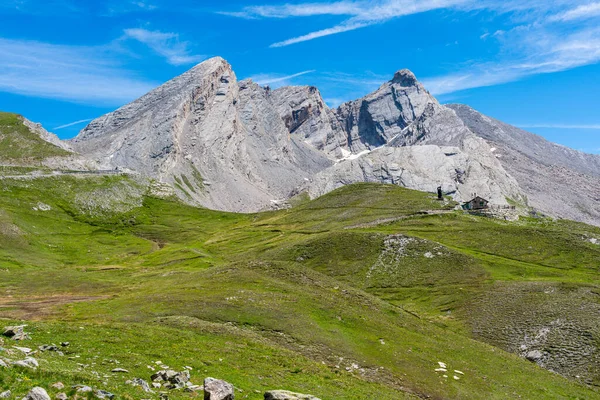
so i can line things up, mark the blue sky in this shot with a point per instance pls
(534, 63)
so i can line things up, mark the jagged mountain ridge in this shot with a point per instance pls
(217, 140)
(233, 145)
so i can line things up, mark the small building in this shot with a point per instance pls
(477, 203)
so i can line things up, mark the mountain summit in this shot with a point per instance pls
(236, 146)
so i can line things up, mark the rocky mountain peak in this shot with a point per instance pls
(405, 77)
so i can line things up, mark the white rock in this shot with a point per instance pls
(37, 393)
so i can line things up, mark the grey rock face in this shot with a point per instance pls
(286, 395)
(375, 119)
(219, 142)
(556, 180)
(421, 168)
(37, 393)
(307, 117)
(215, 389)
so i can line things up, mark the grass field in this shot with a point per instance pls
(355, 295)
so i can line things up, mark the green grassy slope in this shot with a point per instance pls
(356, 295)
(18, 144)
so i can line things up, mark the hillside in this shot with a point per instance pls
(355, 295)
(20, 143)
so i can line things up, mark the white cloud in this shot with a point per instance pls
(270, 79)
(582, 12)
(300, 10)
(361, 13)
(325, 32)
(81, 121)
(80, 74)
(536, 51)
(166, 44)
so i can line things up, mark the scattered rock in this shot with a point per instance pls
(29, 362)
(3, 364)
(61, 396)
(215, 389)
(58, 386)
(286, 395)
(143, 384)
(120, 370)
(194, 388)
(534, 355)
(16, 332)
(65, 344)
(25, 350)
(83, 389)
(46, 347)
(42, 207)
(5, 395)
(103, 394)
(176, 380)
(37, 393)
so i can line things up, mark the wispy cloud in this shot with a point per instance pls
(166, 44)
(561, 126)
(361, 13)
(585, 11)
(72, 73)
(300, 10)
(535, 49)
(325, 32)
(277, 80)
(81, 121)
(124, 7)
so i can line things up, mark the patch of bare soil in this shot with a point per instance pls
(37, 308)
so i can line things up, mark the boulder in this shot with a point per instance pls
(58, 385)
(5, 395)
(287, 395)
(28, 362)
(37, 393)
(215, 389)
(3, 364)
(16, 332)
(61, 396)
(534, 355)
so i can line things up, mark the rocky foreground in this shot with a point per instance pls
(161, 382)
